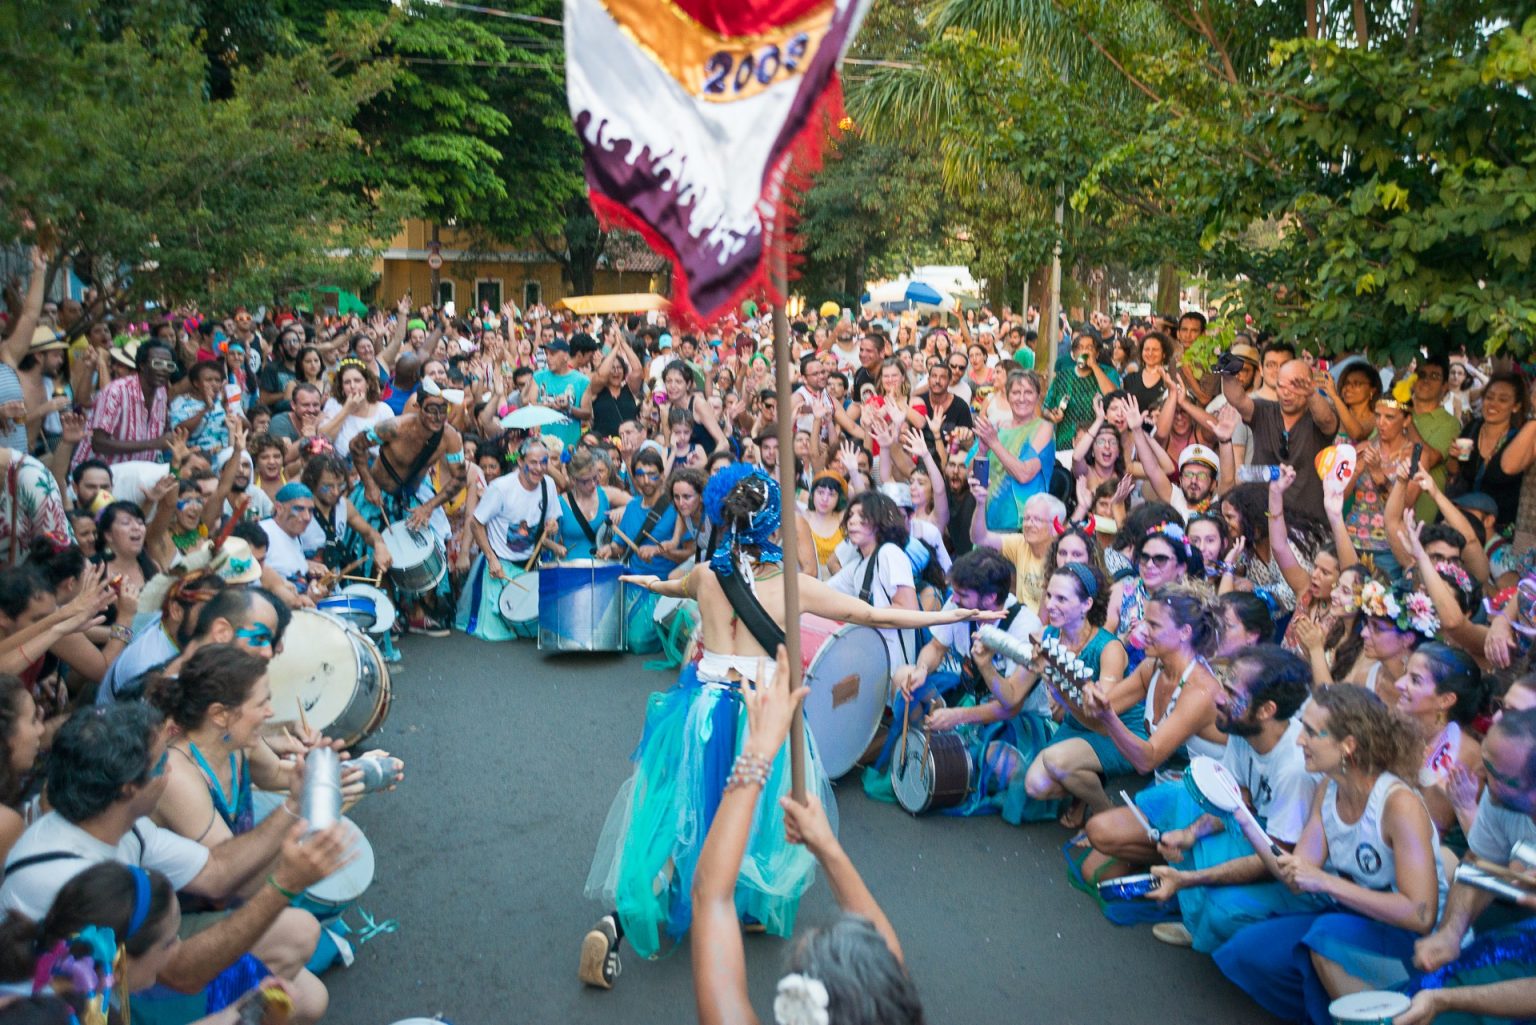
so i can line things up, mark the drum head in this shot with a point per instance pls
(318, 669)
(383, 608)
(350, 881)
(1371, 1006)
(912, 774)
(1214, 783)
(519, 602)
(849, 679)
(408, 547)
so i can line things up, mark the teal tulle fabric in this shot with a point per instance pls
(650, 844)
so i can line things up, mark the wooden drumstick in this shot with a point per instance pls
(622, 537)
(303, 719)
(533, 560)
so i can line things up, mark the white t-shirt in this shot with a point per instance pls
(352, 426)
(924, 530)
(1025, 626)
(1497, 830)
(285, 553)
(509, 508)
(31, 890)
(150, 647)
(847, 360)
(132, 480)
(1278, 782)
(893, 570)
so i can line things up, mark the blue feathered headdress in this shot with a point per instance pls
(765, 522)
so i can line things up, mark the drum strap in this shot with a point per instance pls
(867, 590)
(538, 531)
(751, 612)
(47, 856)
(581, 520)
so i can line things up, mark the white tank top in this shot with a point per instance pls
(1195, 745)
(1358, 850)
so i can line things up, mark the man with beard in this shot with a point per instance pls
(1198, 467)
(1490, 980)
(1221, 883)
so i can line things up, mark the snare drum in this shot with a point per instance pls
(848, 672)
(341, 889)
(419, 562)
(383, 608)
(934, 773)
(581, 606)
(335, 673)
(1372, 1007)
(362, 612)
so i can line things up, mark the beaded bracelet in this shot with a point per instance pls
(747, 769)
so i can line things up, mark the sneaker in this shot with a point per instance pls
(423, 624)
(1173, 933)
(600, 954)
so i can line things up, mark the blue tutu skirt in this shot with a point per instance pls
(650, 844)
(640, 612)
(479, 609)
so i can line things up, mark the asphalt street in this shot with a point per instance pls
(513, 759)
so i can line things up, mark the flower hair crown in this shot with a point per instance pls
(1409, 611)
(1173, 534)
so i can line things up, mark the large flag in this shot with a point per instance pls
(690, 113)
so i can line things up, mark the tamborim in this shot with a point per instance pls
(581, 606)
(1129, 887)
(934, 771)
(1372, 1007)
(849, 678)
(334, 672)
(419, 562)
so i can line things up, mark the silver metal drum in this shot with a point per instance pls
(581, 606)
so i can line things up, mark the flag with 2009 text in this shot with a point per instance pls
(692, 114)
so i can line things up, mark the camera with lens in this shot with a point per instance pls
(1229, 364)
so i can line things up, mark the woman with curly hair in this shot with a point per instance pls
(1368, 820)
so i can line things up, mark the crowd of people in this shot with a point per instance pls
(1304, 571)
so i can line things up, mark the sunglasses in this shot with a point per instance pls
(435, 409)
(162, 364)
(1158, 559)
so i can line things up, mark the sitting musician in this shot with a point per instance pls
(515, 521)
(1491, 978)
(958, 665)
(1221, 884)
(326, 477)
(395, 485)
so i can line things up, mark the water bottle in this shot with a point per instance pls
(320, 805)
(1257, 474)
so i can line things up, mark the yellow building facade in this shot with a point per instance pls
(476, 271)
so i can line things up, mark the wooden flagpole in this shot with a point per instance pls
(789, 515)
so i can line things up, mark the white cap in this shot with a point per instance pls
(1199, 454)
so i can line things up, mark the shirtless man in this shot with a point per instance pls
(409, 447)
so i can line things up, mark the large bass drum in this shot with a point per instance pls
(849, 676)
(335, 673)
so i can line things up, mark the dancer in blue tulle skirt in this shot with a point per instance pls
(694, 733)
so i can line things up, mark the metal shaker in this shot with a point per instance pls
(321, 802)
